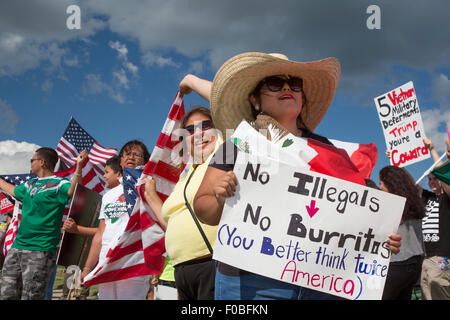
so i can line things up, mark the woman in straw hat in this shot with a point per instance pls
(281, 97)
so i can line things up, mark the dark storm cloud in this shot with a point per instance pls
(413, 34)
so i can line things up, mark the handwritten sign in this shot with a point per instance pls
(402, 125)
(308, 229)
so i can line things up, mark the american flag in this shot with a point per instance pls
(8, 203)
(130, 179)
(139, 250)
(74, 140)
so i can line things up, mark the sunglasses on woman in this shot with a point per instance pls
(275, 83)
(204, 125)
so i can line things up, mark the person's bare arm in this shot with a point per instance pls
(7, 187)
(77, 176)
(94, 252)
(217, 185)
(429, 144)
(154, 201)
(199, 85)
(71, 226)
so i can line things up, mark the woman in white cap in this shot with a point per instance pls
(283, 97)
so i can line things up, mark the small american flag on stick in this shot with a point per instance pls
(74, 140)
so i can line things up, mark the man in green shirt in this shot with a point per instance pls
(32, 257)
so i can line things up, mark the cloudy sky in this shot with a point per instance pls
(118, 74)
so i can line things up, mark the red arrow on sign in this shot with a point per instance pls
(312, 210)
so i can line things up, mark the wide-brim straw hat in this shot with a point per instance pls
(238, 77)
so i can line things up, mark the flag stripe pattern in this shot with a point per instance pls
(139, 250)
(13, 227)
(74, 140)
(11, 232)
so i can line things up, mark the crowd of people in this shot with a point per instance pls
(272, 93)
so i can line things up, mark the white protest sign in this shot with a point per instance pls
(402, 125)
(308, 229)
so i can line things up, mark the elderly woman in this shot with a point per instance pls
(113, 219)
(273, 93)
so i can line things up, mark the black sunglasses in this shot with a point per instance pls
(31, 160)
(275, 83)
(204, 125)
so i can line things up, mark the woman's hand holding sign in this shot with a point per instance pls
(394, 241)
(221, 186)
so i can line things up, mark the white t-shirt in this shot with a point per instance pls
(114, 212)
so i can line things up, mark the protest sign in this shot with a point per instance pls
(84, 211)
(402, 125)
(308, 229)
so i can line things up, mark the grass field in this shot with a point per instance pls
(59, 283)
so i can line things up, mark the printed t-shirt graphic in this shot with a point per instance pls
(114, 212)
(431, 220)
(43, 202)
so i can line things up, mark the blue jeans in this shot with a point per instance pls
(49, 294)
(253, 287)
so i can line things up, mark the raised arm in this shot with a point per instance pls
(199, 85)
(77, 176)
(7, 187)
(430, 146)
